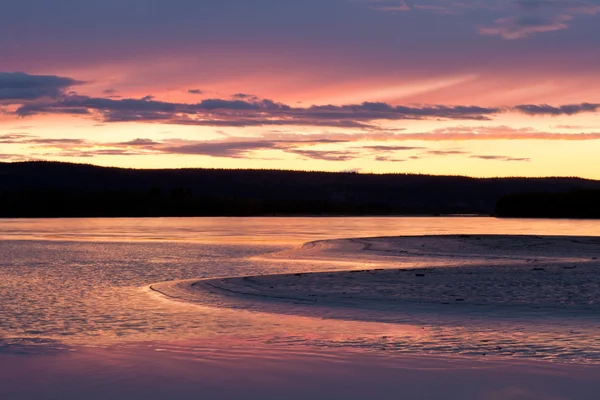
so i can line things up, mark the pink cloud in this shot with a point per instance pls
(521, 27)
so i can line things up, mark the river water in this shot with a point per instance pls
(74, 290)
(85, 281)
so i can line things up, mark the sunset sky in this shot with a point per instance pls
(473, 87)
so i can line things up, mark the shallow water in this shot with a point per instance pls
(84, 281)
(233, 370)
(277, 230)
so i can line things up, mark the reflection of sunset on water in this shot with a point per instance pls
(85, 285)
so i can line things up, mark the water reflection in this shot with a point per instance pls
(240, 370)
(276, 230)
(82, 282)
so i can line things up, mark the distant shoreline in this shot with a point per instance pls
(303, 216)
(60, 190)
(270, 216)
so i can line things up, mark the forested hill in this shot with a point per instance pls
(571, 204)
(47, 189)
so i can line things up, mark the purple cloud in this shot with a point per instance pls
(19, 86)
(568, 109)
(249, 112)
(524, 26)
(501, 158)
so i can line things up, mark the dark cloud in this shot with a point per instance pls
(145, 107)
(234, 148)
(578, 127)
(241, 105)
(24, 138)
(390, 159)
(392, 148)
(52, 142)
(569, 109)
(244, 96)
(501, 158)
(501, 132)
(195, 91)
(45, 108)
(140, 142)
(131, 107)
(221, 149)
(450, 152)
(13, 157)
(13, 138)
(112, 94)
(116, 152)
(379, 110)
(247, 110)
(251, 112)
(260, 120)
(75, 154)
(19, 86)
(98, 152)
(242, 110)
(326, 155)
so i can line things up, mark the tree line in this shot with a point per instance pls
(50, 189)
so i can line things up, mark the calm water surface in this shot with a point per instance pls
(84, 282)
(276, 230)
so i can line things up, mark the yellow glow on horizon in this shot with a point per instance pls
(548, 157)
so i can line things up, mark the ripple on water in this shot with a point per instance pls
(55, 294)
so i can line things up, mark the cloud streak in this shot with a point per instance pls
(19, 86)
(524, 26)
(42, 95)
(569, 109)
(248, 112)
(501, 158)
(313, 147)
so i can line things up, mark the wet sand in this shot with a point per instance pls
(495, 273)
(532, 297)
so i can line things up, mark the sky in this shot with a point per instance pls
(468, 87)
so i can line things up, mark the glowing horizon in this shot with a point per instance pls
(434, 87)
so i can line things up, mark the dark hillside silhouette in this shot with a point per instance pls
(49, 189)
(574, 204)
